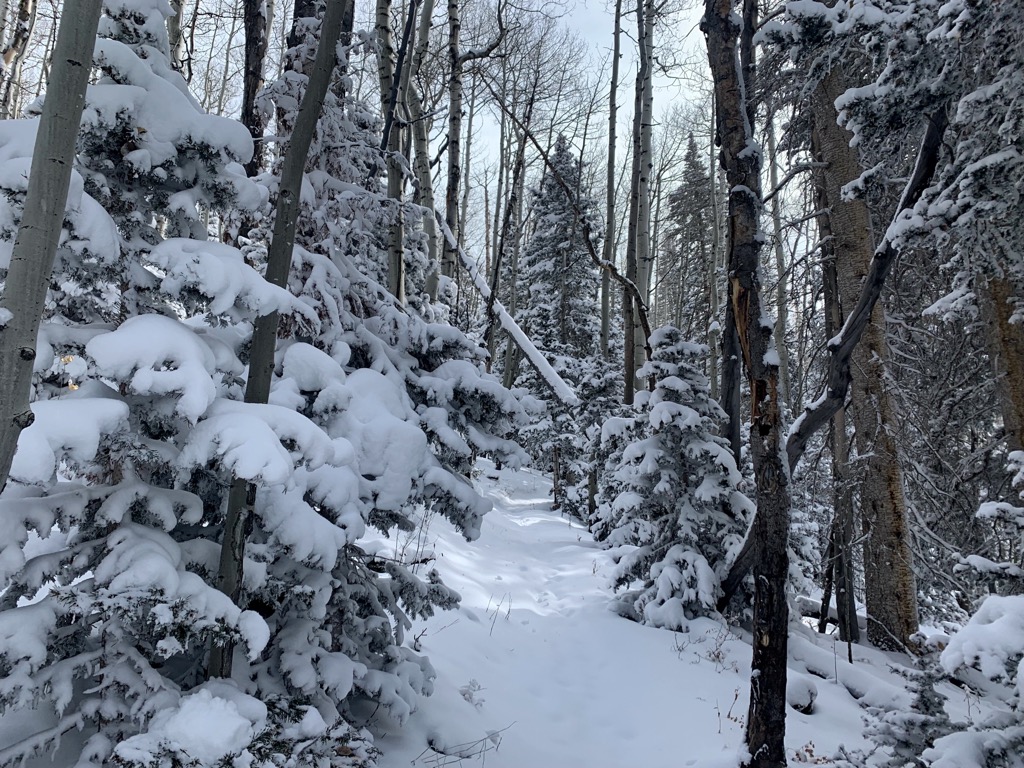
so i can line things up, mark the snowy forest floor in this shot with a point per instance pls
(536, 669)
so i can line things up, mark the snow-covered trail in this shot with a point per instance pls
(535, 659)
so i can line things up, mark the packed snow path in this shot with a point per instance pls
(535, 670)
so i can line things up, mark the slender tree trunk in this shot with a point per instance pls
(890, 588)
(226, 72)
(256, 18)
(175, 36)
(731, 56)
(35, 246)
(715, 333)
(511, 206)
(421, 149)
(14, 54)
(644, 252)
(264, 341)
(468, 156)
(451, 198)
(841, 534)
(632, 269)
(780, 269)
(609, 217)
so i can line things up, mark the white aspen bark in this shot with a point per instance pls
(35, 246)
(421, 149)
(451, 198)
(644, 253)
(175, 38)
(5, 10)
(264, 341)
(225, 73)
(386, 57)
(608, 253)
(13, 56)
(780, 268)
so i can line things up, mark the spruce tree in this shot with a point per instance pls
(668, 492)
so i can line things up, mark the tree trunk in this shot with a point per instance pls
(255, 20)
(841, 534)
(644, 252)
(264, 339)
(890, 589)
(175, 37)
(13, 55)
(451, 198)
(780, 269)
(632, 270)
(35, 246)
(731, 56)
(714, 332)
(1006, 345)
(421, 149)
(609, 218)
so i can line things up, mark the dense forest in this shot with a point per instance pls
(744, 280)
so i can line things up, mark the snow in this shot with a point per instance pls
(215, 722)
(66, 428)
(161, 356)
(535, 668)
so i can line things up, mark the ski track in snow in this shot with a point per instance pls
(540, 657)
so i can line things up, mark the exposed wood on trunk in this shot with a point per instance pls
(264, 341)
(730, 54)
(35, 245)
(837, 380)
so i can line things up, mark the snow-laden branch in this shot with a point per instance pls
(556, 383)
(819, 413)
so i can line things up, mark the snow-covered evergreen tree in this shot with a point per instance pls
(560, 311)
(374, 417)
(668, 492)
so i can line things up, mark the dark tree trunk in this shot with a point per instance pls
(731, 56)
(254, 20)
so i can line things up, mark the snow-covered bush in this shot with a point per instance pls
(668, 495)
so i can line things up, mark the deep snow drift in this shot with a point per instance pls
(535, 669)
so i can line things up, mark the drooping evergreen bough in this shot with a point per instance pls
(668, 497)
(110, 528)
